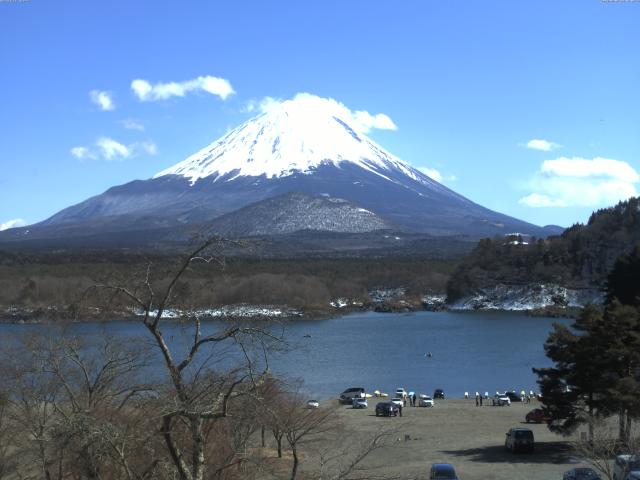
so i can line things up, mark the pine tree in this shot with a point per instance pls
(573, 389)
(597, 359)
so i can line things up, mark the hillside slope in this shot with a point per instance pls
(580, 258)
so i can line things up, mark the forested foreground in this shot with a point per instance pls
(579, 258)
(94, 408)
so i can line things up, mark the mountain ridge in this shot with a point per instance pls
(305, 145)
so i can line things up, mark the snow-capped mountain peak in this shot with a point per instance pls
(293, 136)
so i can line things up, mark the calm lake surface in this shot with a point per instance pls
(471, 351)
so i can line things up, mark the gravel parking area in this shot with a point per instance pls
(469, 437)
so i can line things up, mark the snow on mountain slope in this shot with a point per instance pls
(310, 145)
(295, 211)
(294, 136)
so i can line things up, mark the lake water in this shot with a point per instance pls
(471, 351)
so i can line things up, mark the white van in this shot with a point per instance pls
(350, 393)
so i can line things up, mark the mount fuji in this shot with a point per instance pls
(299, 150)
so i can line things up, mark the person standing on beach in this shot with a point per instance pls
(414, 399)
(480, 400)
(400, 409)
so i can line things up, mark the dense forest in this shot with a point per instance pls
(40, 281)
(581, 257)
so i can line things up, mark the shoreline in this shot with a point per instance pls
(51, 315)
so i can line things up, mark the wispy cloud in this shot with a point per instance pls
(262, 106)
(102, 99)
(379, 121)
(132, 124)
(360, 120)
(580, 182)
(82, 153)
(147, 92)
(543, 145)
(436, 175)
(108, 149)
(14, 223)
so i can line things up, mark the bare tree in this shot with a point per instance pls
(70, 405)
(299, 423)
(600, 447)
(346, 456)
(196, 394)
(7, 459)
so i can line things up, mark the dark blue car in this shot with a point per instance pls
(581, 473)
(442, 471)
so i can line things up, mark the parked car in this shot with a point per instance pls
(399, 402)
(537, 415)
(350, 393)
(442, 471)
(633, 476)
(313, 404)
(401, 392)
(513, 396)
(360, 403)
(519, 439)
(438, 393)
(500, 400)
(425, 400)
(625, 465)
(386, 409)
(581, 473)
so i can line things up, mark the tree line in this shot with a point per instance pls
(43, 281)
(582, 256)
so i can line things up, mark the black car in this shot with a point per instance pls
(581, 473)
(439, 393)
(386, 409)
(513, 396)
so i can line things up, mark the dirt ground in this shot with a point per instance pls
(469, 437)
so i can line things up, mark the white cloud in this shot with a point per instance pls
(103, 99)
(14, 223)
(544, 145)
(360, 120)
(132, 124)
(162, 91)
(148, 147)
(539, 200)
(263, 106)
(432, 173)
(112, 150)
(367, 122)
(579, 182)
(436, 175)
(81, 153)
(106, 148)
(598, 167)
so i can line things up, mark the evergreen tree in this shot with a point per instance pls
(573, 389)
(623, 282)
(596, 370)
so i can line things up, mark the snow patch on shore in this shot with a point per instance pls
(230, 311)
(527, 297)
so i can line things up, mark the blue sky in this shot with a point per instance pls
(469, 86)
